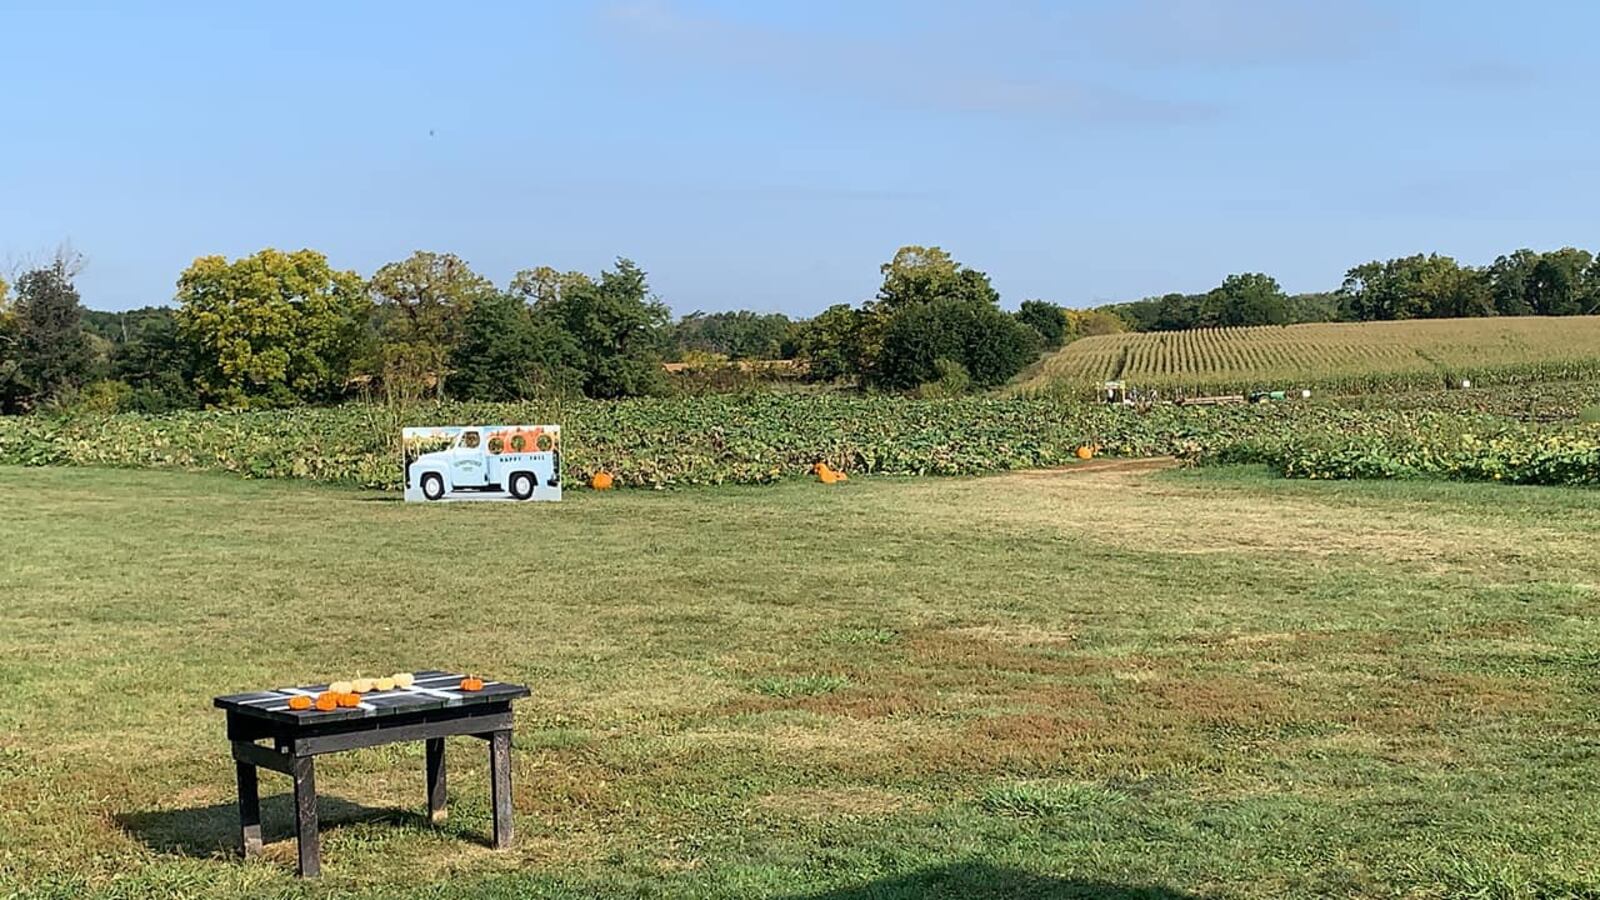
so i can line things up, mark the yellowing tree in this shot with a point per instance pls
(273, 328)
(423, 303)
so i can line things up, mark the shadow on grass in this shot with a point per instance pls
(981, 881)
(214, 830)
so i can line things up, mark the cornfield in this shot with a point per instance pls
(1342, 357)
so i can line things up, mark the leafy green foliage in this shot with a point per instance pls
(149, 355)
(508, 351)
(919, 275)
(422, 306)
(1557, 283)
(740, 334)
(1250, 299)
(1045, 318)
(766, 438)
(617, 327)
(13, 392)
(52, 354)
(271, 329)
(1415, 287)
(932, 308)
(990, 345)
(831, 344)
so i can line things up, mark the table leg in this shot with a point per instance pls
(500, 787)
(305, 816)
(249, 809)
(436, 793)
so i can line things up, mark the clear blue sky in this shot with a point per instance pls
(770, 156)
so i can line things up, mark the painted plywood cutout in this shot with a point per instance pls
(483, 462)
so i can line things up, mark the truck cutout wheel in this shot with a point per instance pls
(432, 486)
(522, 485)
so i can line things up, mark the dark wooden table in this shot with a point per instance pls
(430, 710)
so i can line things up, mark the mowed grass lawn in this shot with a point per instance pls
(1153, 685)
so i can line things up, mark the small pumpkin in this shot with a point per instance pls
(361, 686)
(601, 481)
(300, 702)
(472, 683)
(327, 702)
(1086, 452)
(349, 701)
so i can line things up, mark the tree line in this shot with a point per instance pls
(282, 328)
(1561, 282)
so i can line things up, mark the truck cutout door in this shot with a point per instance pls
(466, 462)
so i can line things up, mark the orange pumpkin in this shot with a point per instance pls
(601, 481)
(327, 702)
(471, 683)
(299, 701)
(349, 701)
(1086, 452)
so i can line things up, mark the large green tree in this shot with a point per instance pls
(617, 327)
(271, 329)
(422, 303)
(930, 308)
(1415, 287)
(1248, 299)
(52, 353)
(544, 285)
(1560, 285)
(830, 343)
(987, 344)
(1046, 318)
(922, 274)
(510, 351)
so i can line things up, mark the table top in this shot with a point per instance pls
(431, 689)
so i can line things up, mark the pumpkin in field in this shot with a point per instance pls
(601, 481)
(828, 475)
(1086, 452)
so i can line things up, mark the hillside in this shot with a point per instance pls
(1339, 356)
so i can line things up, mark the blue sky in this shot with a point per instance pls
(771, 156)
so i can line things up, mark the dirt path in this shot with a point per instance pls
(1100, 466)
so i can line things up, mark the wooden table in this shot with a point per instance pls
(430, 710)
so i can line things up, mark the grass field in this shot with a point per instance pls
(1343, 356)
(1104, 684)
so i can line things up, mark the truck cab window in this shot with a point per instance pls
(469, 440)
